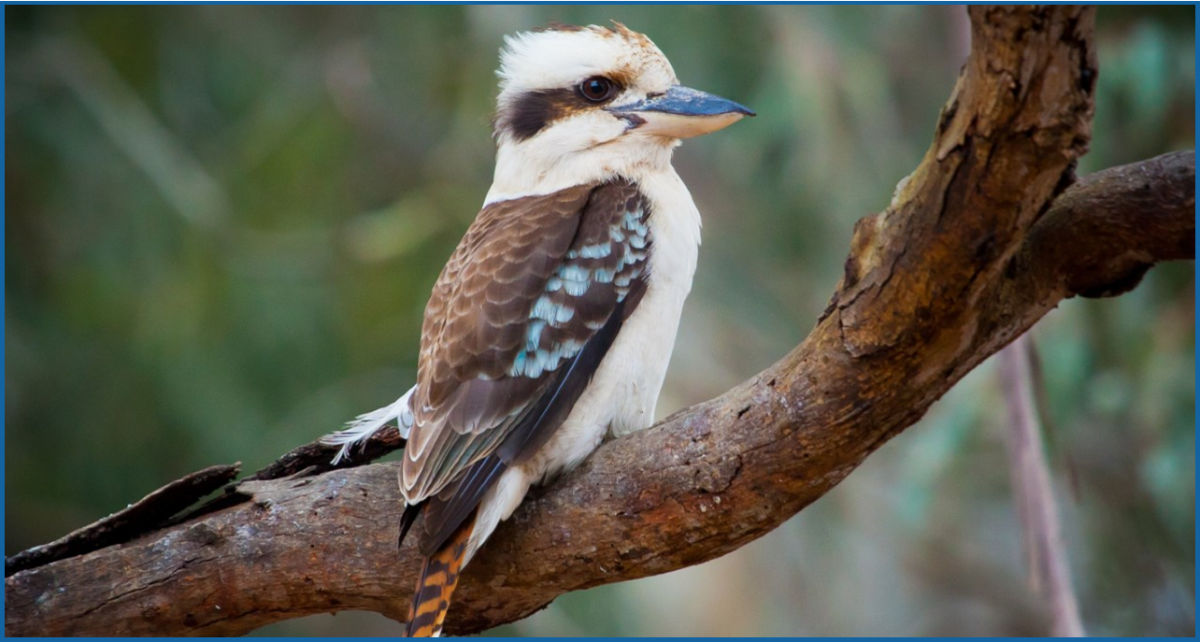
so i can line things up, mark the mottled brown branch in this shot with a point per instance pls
(969, 255)
(169, 505)
(310, 459)
(143, 516)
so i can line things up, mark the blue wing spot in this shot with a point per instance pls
(576, 288)
(573, 273)
(543, 308)
(633, 222)
(595, 251)
(632, 233)
(534, 335)
(548, 310)
(533, 368)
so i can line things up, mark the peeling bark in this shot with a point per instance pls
(985, 237)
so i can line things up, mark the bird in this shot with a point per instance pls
(552, 323)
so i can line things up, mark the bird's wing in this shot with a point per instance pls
(519, 320)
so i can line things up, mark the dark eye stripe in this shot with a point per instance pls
(533, 111)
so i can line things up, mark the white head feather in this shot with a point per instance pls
(584, 145)
(557, 58)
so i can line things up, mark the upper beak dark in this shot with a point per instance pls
(684, 101)
(681, 112)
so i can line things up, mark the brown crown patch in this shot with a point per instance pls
(559, 26)
(617, 29)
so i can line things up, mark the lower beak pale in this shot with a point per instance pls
(681, 112)
(681, 126)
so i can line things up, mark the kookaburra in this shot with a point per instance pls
(552, 323)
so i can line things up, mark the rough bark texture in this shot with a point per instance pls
(969, 255)
(153, 510)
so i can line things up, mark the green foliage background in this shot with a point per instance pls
(222, 223)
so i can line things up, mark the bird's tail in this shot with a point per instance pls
(439, 577)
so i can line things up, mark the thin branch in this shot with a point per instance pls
(1049, 572)
(969, 255)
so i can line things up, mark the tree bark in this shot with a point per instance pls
(982, 240)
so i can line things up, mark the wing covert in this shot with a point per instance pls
(505, 342)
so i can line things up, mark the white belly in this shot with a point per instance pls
(624, 390)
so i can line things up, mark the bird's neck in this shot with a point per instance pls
(528, 169)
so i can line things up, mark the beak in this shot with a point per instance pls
(682, 113)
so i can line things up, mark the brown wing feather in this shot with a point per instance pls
(569, 257)
(467, 332)
(474, 325)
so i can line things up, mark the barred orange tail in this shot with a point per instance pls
(439, 576)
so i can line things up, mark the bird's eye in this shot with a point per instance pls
(597, 89)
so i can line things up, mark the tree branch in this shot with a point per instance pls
(1033, 493)
(969, 255)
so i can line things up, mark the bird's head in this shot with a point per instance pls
(579, 104)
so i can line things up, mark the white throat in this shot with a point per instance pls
(539, 166)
